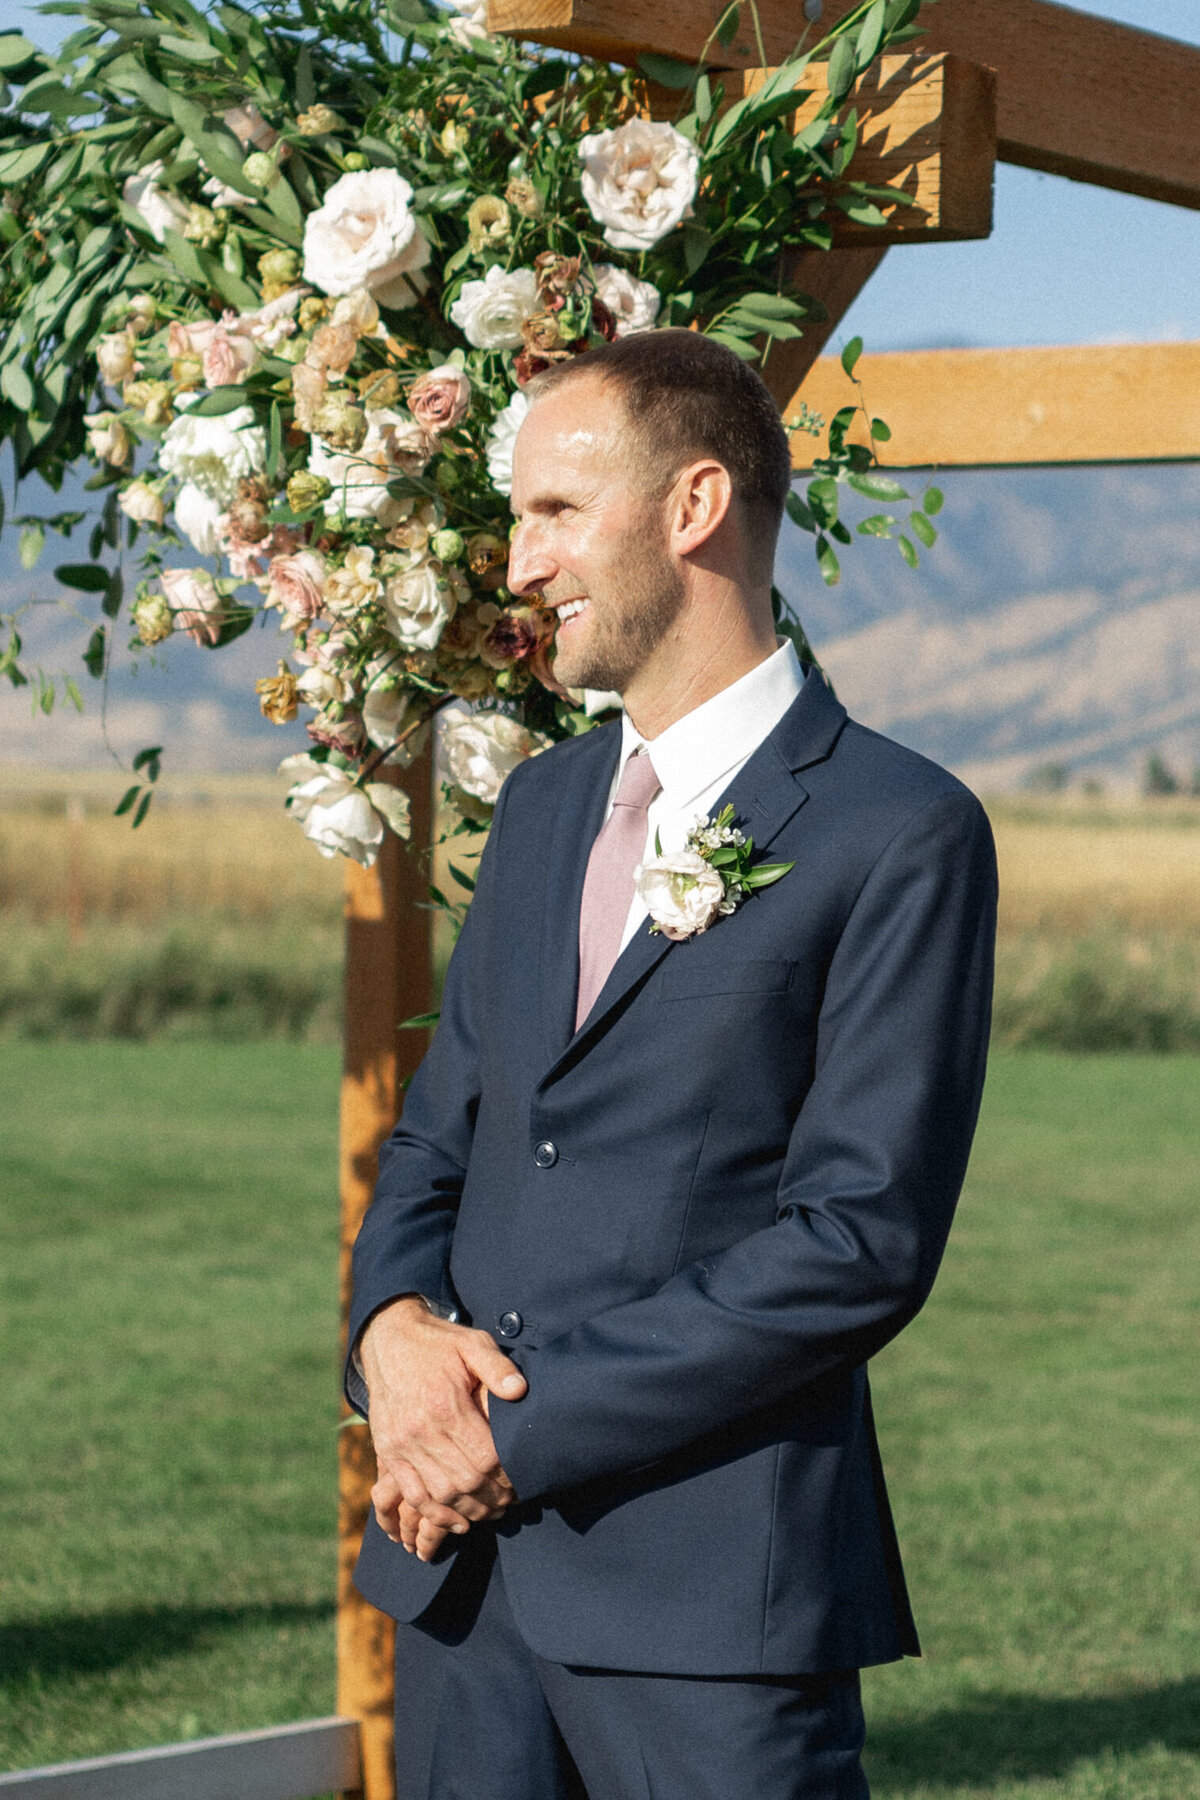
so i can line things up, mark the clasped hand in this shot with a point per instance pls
(429, 1383)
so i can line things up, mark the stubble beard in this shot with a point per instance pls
(625, 633)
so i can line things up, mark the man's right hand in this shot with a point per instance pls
(428, 1380)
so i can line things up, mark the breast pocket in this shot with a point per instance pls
(686, 978)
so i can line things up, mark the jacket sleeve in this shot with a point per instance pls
(867, 1191)
(403, 1245)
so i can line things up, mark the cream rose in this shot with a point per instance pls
(633, 304)
(419, 601)
(115, 357)
(195, 604)
(215, 453)
(355, 584)
(321, 687)
(364, 235)
(108, 438)
(141, 503)
(491, 312)
(482, 750)
(394, 444)
(682, 893)
(385, 714)
(228, 357)
(502, 439)
(639, 181)
(160, 211)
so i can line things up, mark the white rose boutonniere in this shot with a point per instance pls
(690, 889)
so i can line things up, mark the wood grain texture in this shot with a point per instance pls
(1076, 95)
(927, 129)
(1005, 408)
(388, 979)
(285, 1762)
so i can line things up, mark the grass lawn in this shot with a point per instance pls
(167, 1488)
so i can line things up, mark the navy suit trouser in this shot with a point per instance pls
(477, 1713)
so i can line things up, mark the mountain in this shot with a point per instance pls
(1056, 621)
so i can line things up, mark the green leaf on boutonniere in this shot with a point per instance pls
(766, 873)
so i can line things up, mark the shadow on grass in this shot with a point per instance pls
(1023, 1737)
(93, 1643)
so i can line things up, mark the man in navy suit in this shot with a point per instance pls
(655, 1201)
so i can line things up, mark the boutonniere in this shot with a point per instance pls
(688, 890)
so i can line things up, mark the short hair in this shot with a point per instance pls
(686, 396)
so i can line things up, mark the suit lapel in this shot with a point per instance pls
(579, 813)
(765, 795)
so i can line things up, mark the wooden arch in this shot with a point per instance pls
(1029, 82)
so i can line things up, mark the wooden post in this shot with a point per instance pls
(389, 978)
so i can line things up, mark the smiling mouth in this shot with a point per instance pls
(570, 610)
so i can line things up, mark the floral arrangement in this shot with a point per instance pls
(690, 889)
(282, 274)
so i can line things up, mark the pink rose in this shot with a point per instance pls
(196, 605)
(227, 357)
(296, 585)
(249, 559)
(439, 399)
(189, 340)
(345, 734)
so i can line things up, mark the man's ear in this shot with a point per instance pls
(700, 504)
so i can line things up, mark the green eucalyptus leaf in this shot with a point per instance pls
(851, 354)
(16, 50)
(800, 514)
(30, 545)
(908, 551)
(93, 656)
(881, 431)
(870, 35)
(88, 578)
(842, 68)
(878, 525)
(922, 528)
(667, 71)
(143, 807)
(877, 486)
(933, 500)
(827, 562)
(727, 25)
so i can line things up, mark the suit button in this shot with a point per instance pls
(546, 1154)
(510, 1324)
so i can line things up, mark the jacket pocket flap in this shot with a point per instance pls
(683, 977)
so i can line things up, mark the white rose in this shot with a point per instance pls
(385, 715)
(141, 503)
(108, 438)
(502, 438)
(335, 814)
(364, 236)
(683, 894)
(483, 749)
(639, 181)
(320, 687)
(596, 700)
(114, 355)
(633, 304)
(198, 516)
(491, 312)
(419, 602)
(215, 453)
(160, 210)
(469, 21)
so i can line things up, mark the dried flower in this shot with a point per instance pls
(278, 696)
(489, 223)
(340, 423)
(305, 490)
(316, 120)
(278, 271)
(522, 194)
(152, 620)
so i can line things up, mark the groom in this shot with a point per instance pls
(655, 1200)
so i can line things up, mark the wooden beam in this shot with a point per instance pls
(285, 1762)
(834, 277)
(927, 128)
(388, 979)
(1077, 95)
(1111, 403)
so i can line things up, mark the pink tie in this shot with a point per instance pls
(608, 884)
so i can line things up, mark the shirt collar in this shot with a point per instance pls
(691, 755)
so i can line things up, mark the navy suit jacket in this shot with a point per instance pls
(704, 1210)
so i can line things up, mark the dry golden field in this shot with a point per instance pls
(1099, 932)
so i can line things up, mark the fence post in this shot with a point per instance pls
(388, 978)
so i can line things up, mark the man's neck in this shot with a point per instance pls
(690, 668)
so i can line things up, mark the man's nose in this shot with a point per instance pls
(529, 565)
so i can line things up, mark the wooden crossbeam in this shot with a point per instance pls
(1077, 95)
(1110, 403)
(927, 128)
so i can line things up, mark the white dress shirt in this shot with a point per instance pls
(697, 757)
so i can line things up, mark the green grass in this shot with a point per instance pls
(167, 1490)
(168, 1406)
(1039, 1425)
